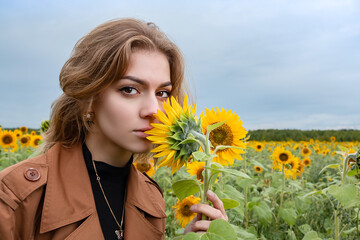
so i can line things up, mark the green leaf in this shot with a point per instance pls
(263, 212)
(199, 155)
(348, 195)
(185, 188)
(243, 183)
(352, 172)
(335, 166)
(192, 236)
(305, 228)
(243, 234)
(213, 126)
(312, 235)
(211, 236)
(288, 215)
(217, 168)
(313, 193)
(229, 203)
(222, 228)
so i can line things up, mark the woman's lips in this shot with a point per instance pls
(141, 132)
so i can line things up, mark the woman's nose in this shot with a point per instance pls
(150, 107)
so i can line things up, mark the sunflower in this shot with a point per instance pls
(196, 169)
(231, 133)
(7, 138)
(176, 134)
(25, 140)
(277, 166)
(293, 170)
(13, 147)
(281, 155)
(332, 138)
(306, 162)
(18, 133)
(183, 214)
(259, 147)
(23, 129)
(258, 169)
(147, 167)
(33, 133)
(35, 141)
(305, 151)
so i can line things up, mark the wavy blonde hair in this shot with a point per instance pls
(97, 60)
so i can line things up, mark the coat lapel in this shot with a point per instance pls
(68, 196)
(144, 209)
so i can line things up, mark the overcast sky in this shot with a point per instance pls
(276, 63)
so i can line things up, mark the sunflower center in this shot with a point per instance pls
(7, 139)
(36, 142)
(221, 136)
(283, 157)
(258, 169)
(305, 151)
(185, 210)
(143, 167)
(306, 162)
(199, 175)
(24, 140)
(258, 146)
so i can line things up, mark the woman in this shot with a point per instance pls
(85, 186)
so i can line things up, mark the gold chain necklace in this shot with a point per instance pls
(119, 232)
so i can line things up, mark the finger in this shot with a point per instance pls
(217, 203)
(201, 226)
(209, 211)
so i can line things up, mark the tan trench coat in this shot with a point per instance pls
(60, 204)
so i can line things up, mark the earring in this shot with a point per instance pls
(89, 116)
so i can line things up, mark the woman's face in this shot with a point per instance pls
(124, 111)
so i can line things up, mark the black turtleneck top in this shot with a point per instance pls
(113, 180)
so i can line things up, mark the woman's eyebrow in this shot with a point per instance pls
(142, 82)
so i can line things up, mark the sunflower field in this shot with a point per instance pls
(296, 190)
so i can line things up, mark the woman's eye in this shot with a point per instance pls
(163, 94)
(129, 90)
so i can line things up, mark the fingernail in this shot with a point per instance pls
(210, 193)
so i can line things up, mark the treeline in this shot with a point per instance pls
(343, 135)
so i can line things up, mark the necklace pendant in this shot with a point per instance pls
(119, 234)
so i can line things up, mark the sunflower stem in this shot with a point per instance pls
(207, 176)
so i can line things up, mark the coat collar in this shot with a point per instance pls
(69, 198)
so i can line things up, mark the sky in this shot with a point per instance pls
(281, 64)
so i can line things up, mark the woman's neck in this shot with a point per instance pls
(107, 152)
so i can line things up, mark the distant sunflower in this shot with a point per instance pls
(183, 214)
(231, 133)
(281, 155)
(13, 147)
(35, 141)
(305, 151)
(258, 169)
(306, 162)
(175, 134)
(147, 167)
(18, 133)
(196, 169)
(25, 140)
(7, 139)
(277, 166)
(259, 147)
(23, 129)
(332, 138)
(33, 133)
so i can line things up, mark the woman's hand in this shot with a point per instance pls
(217, 212)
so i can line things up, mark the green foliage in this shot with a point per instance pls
(344, 135)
